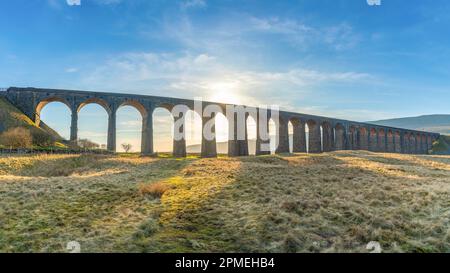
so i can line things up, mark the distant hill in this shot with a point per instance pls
(432, 123)
(11, 117)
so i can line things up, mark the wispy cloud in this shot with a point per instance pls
(71, 70)
(193, 4)
(244, 30)
(73, 2)
(190, 76)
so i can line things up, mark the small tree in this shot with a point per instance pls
(18, 137)
(127, 147)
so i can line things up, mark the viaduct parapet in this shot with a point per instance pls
(324, 134)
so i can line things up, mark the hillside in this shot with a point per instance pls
(432, 123)
(11, 117)
(332, 202)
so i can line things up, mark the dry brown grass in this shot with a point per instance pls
(335, 202)
(155, 189)
(17, 137)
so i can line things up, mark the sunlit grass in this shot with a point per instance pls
(294, 203)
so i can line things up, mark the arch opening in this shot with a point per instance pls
(327, 137)
(314, 137)
(273, 136)
(163, 124)
(397, 142)
(373, 140)
(390, 145)
(193, 132)
(43, 103)
(353, 138)
(251, 135)
(381, 140)
(363, 139)
(291, 136)
(129, 128)
(57, 115)
(221, 127)
(339, 134)
(92, 126)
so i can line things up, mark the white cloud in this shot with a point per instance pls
(243, 31)
(193, 4)
(71, 70)
(190, 76)
(73, 2)
(338, 37)
(131, 123)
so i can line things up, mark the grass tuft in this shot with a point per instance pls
(155, 190)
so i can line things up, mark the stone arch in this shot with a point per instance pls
(42, 103)
(339, 135)
(92, 112)
(298, 135)
(397, 142)
(373, 140)
(327, 137)
(98, 101)
(137, 105)
(143, 112)
(363, 141)
(390, 145)
(424, 144)
(418, 145)
(130, 125)
(163, 126)
(406, 143)
(382, 140)
(412, 143)
(353, 138)
(314, 138)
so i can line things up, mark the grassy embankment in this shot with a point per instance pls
(304, 203)
(11, 117)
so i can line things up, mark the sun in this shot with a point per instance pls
(224, 92)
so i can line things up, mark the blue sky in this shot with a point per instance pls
(340, 58)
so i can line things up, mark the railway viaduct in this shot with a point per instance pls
(324, 134)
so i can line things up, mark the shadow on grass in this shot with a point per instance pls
(315, 203)
(99, 212)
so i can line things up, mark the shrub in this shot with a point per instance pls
(41, 138)
(87, 144)
(18, 137)
(155, 190)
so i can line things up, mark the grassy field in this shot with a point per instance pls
(334, 202)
